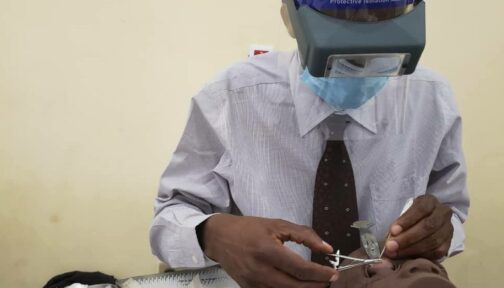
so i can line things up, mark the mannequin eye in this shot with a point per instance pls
(381, 270)
(368, 271)
(396, 265)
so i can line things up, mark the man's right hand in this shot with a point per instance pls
(251, 251)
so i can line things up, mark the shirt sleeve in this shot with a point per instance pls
(447, 180)
(192, 187)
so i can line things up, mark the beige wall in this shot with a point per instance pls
(94, 96)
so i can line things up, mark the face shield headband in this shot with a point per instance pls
(360, 10)
(359, 38)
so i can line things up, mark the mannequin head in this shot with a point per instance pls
(411, 273)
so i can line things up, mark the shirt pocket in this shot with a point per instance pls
(389, 198)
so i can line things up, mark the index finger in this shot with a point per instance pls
(302, 235)
(291, 263)
(421, 208)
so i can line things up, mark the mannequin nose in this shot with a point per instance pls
(421, 266)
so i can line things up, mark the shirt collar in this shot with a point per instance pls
(311, 110)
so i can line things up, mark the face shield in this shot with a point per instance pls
(359, 38)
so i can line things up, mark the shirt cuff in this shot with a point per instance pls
(457, 244)
(174, 240)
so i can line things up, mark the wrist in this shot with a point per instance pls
(210, 231)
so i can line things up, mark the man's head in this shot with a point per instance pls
(359, 15)
(390, 42)
(415, 273)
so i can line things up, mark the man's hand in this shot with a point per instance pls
(251, 251)
(425, 231)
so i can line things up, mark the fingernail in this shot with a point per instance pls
(327, 245)
(334, 278)
(392, 246)
(396, 230)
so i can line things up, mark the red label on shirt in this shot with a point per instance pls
(259, 52)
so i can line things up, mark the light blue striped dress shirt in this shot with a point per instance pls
(256, 134)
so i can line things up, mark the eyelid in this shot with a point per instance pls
(395, 266)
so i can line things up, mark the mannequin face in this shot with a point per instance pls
(416, 273)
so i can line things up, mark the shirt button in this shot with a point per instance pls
(326, 160)
(344, 161)
(326, 233)
(326, 208)
(326, 258)
(326, 184)
(347, 210)
(346, 185)
(348, 235)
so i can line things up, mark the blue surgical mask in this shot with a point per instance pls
(344, 92)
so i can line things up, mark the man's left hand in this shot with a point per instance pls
(424, 231)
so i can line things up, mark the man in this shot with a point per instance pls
(275, 164)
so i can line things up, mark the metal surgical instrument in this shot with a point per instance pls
(356, 262)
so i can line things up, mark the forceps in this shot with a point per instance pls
(369, 243)
(356, 262)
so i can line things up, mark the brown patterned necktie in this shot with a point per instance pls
(335, 202)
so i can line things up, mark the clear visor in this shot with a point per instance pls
(366, 65)
(361, 10)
